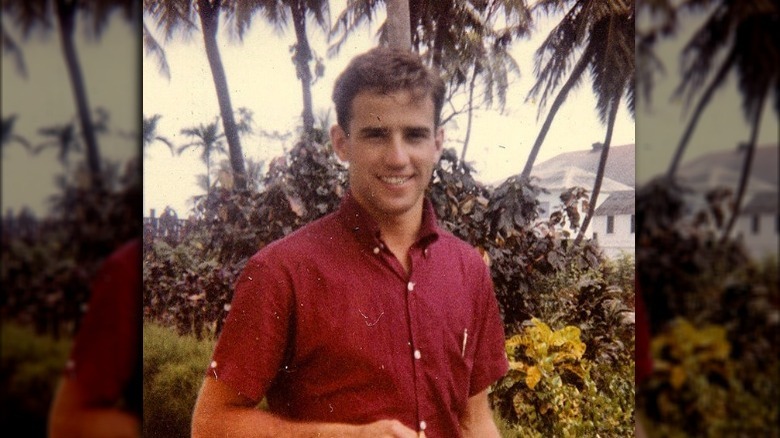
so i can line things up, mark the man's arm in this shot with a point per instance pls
(477, 420)
(73, 415)
(221, 411)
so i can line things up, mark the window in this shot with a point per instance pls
(595, 236)
(610, 224)
(755, 224)
(633, 224)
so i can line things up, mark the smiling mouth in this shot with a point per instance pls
(395, 180)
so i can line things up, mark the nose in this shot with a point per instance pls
(396, 153)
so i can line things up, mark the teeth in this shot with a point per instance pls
(395, 180)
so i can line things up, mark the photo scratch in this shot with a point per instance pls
(368, 323)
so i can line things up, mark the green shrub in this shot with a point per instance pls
(695, 389)
(30, 367)
(549, 390)
(174, 368)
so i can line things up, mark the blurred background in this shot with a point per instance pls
(544, 170)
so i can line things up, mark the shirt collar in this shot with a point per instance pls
(357, 220)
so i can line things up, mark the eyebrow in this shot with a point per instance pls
(414, 130)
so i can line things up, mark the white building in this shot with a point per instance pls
(614, 224)
(758, 226)
(578, 169)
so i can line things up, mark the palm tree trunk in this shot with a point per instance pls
(302, 58)
(600, 172)
(575, 75)
(399, 32)
(705, 99)
(470, 116)
(209, 18)
(66, 16)
(743, 178)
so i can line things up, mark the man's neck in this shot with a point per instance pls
(400, 232)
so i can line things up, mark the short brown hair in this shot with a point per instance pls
(386, 70)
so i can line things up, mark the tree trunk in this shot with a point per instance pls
(600, 172)
(703, 102)
(470, 116)
(743, 178)
(575, 75)
(399, 31)
(302, 58)
(209, 18)
(66, 17)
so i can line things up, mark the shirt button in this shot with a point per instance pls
(417, 354)
(410, 286)
(423, 425)
(376, 250)
(425, 253)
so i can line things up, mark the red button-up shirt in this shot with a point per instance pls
(329, 327)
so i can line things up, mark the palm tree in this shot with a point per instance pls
(40, 15)
(153, 48)
(180, 15)
(398, 24)
(278, 13)
(462, 39)
(149, 134)
(599, 36)
(739, 37)
(9, 136)
(210, 140)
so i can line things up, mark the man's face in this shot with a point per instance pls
(392, 147)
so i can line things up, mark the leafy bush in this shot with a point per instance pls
(174, 368)
(30, 368)
(704, 297)
(549, 391)
(695, 389)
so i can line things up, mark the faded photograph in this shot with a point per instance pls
(70, 335)
(708, 224)
(389, 218)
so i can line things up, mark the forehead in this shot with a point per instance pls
(404, 107)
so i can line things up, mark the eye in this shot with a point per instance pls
(417, 136)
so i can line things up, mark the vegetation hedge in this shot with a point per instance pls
(174, 368)
(537, 271)
(30, 367)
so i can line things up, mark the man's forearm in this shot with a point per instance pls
(220, 412)
(248, 422)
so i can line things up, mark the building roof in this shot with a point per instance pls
(763, 169)
(622, 202)
(621, 163)
(762, 202)
(705, 176)
(568, 177)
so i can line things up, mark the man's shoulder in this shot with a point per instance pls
(309, 239)
(455, 246)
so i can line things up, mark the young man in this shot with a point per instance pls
(372, 321)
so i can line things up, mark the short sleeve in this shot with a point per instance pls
(490, 361)
(107, 348)
(252, 346)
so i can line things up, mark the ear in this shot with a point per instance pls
(339, 139)
(439, 141)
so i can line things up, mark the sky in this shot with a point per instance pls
(261, 77)
(110, 67)
(661, 123)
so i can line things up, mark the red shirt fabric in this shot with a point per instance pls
(106, 355)
(328, 326)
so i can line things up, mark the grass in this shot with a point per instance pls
(174, 368)
(30, 367)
